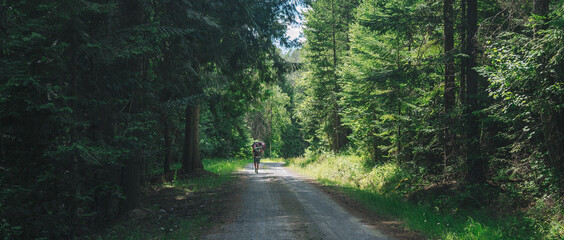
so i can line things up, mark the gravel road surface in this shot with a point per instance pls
(277, 204)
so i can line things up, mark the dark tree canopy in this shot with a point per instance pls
(97, 97)
(93, 94)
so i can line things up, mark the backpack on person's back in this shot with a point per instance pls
(257, 151)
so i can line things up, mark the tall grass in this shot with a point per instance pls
(224, 166)
(382, 189)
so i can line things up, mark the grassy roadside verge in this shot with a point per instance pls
(382, 190)
(184, 208)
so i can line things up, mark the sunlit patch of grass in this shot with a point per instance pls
(272, 160)
(381, 190)
(427, 219)
(224, 166)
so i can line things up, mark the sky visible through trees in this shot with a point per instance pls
(295, 31)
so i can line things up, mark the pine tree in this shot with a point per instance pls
(385, 74)
(327, 42)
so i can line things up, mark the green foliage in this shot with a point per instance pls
(523, 70)
(88, 89)
(222, 131)
(387, 78)
(293, 144)
(387, 81)
(268, 118)
(224, 167)
(544, 216)
(326, 31)
(525, 83)
(388, 88)
(355, 171)
(382, 188)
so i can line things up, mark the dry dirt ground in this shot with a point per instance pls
(279, 204)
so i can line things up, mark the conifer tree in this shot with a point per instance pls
(327, 36)
(384, 75)
(84, 85)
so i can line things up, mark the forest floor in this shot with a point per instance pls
(178, 211)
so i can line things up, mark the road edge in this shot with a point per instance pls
(391, 228)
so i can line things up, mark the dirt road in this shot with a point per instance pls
(277, 204)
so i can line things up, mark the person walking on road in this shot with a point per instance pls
(258, 148)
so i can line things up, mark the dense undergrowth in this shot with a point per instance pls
(453, 211)
(184, 210)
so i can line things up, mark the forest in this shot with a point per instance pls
(464, 97)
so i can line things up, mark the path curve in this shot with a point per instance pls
(277, 204)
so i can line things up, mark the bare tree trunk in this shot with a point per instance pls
(2, 151)
(376, 153)
(477, 166)
(449, 97)
(130, 178)
(551, 120)
(552, 132)
(336, 127)
(540, 8)
(132, 15)
(463, 62)
(558, 159)
(399, 150)
(191, 155)
(167, 145)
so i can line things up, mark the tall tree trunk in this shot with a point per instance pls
(2, 151)
(132, 15)
(475, 162)
(339, 134)
(167, 145)
(376, 152)
(463, 61)
(336, 122)
(461, 125)
(130, 178)
(540, 8)
(552, 124)
(449, 97)
(398, 137)
(191, 155)
(551, 120)
(559, 144)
